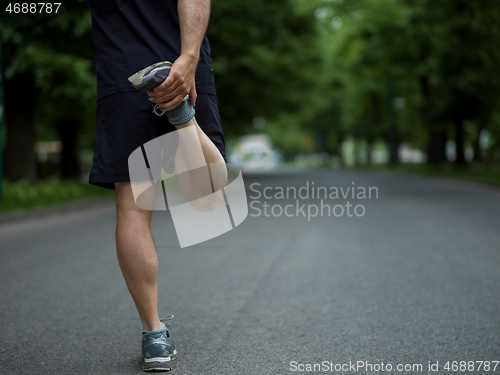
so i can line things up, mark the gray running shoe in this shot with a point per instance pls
(150, 77)
(158, 349)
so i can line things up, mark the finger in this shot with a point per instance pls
(176, 88)
(166, 87)
(192, 96)
(165, 96)
(180, 90)
(168, 97)
(163, 92)
(161, 97)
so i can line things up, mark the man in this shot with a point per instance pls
(130, 35)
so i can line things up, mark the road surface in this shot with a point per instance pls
(412, 279)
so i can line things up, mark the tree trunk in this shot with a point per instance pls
(392, 133)
(478, 158)
(459, 140)
(478, 153)
(19, 158)
(369, 148)
(437, 147)
(393, 150)
(68, 133)
(338, 148)
(355, 143)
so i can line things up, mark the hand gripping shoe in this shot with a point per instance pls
(150, 77)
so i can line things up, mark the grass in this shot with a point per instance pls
(480, 173)
(24, 195)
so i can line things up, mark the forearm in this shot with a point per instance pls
(193, 20)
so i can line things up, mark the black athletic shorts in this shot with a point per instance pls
(125, 121)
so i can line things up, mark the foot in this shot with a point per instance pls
(158, 350)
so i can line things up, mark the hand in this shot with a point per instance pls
(178, 84)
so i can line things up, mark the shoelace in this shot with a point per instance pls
(168, 317)
(158, 111)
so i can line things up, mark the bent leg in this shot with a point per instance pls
(210, 152)
(195, 151)
(137, 255)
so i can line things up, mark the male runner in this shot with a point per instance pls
(130, 35)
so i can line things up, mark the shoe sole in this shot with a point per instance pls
(140, 80)
(158, 364)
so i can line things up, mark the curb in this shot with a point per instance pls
(78, 205)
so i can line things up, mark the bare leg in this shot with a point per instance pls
(137, 255)
(210, 151)
(199, 167)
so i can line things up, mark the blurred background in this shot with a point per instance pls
(409, 85)
(391, 95)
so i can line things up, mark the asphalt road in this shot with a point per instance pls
(413, 281)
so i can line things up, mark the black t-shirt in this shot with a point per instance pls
(130, 35)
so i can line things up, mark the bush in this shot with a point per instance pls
(23, 194)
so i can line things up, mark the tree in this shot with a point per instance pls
(458, 62)
(264, 60)
(49, 57)
(446, 47)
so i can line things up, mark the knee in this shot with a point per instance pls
(126, 205)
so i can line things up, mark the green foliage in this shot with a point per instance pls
(316, 70)
(265, 60)
(59, 53)
(440, 56)
(24, 195)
